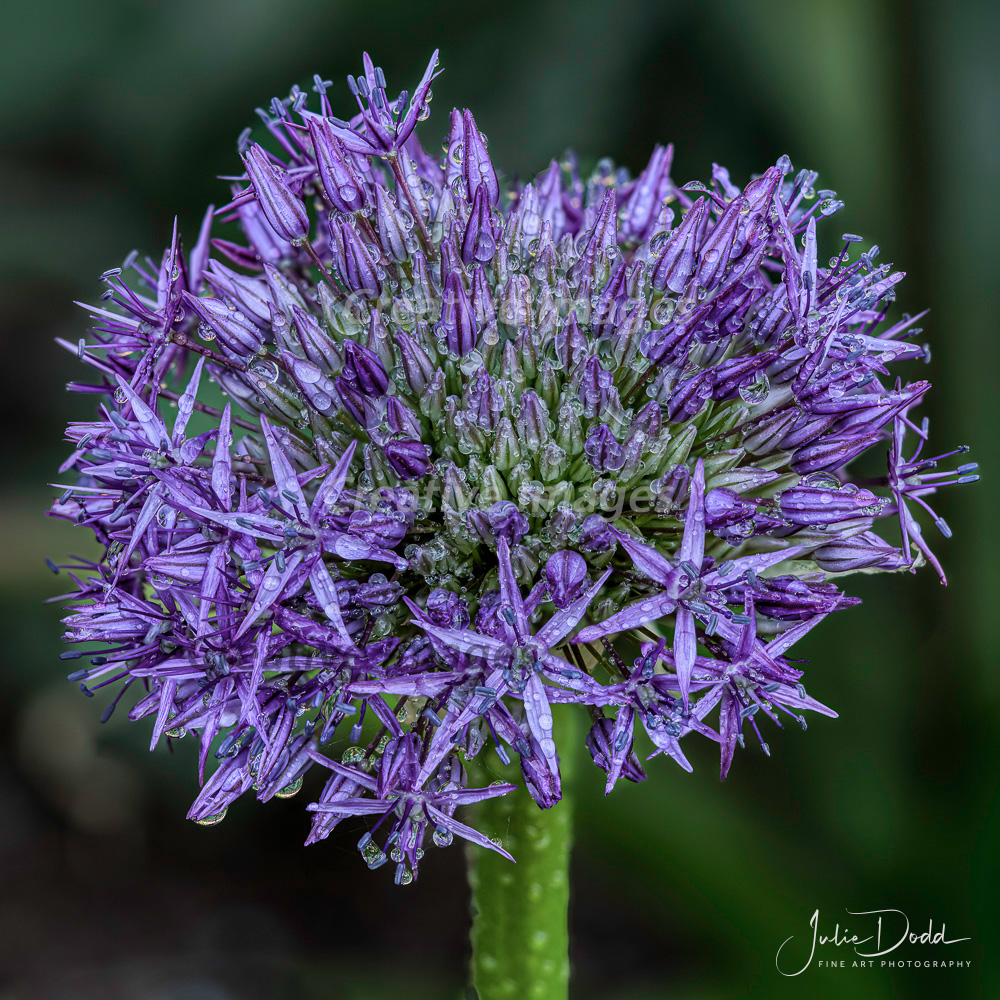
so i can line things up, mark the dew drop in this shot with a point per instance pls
(755, 389)
(663, 310)
(212, 820)
(485, 247)
(442, 837)
(373, 855)
(289, 790)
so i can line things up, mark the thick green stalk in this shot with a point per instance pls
(520, 934)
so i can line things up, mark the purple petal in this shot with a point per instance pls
(736, 569)
(685, 650)
(692, 548)
(350, 547)
(647, 610)
(152, 426)
(417, 101)
(255, 525)
(466, 832)
(539, 717)
(563, 622)
(510, 593)
(782, 643)
(168, 688)
(185, 405)
(351, 806)
(621, 745)
(466, 641)
(222, 463)
(326, 593)
(646, 559)
(285, 480)
(729, 728)
(283, 210)
(270, 590)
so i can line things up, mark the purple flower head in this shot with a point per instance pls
(409, 808)
(725, 507)
(851, 553)
(394, 226)
(601, 742)
(477, 168)
(408, 458)
(339, 174)
(595, 534)
(514, 661)
(911, 481)
(805, 505)
(447, 609)
(363, 367)
(355, 260)
(501, 521)
(485, 404)
(237, 334)
(479, 243)
(384, 124)
(603, 450)
(458, 321)
(565, 573)
(479, 443)
(488, 614)
(282, 208)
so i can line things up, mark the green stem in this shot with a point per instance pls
(520, 934)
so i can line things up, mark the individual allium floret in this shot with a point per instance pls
(402, 455)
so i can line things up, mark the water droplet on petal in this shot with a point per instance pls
(658, 243)
(485, 247)
(442, 837)
(755, 389)
(289, 790)
(212, 820)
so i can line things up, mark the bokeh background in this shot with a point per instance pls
(116, 115)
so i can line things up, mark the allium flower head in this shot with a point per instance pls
(407, 454)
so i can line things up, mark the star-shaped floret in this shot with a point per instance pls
(692, 588)
(516, 662)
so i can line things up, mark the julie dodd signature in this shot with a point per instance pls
(883, 932)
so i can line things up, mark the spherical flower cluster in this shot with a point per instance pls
(398, 457)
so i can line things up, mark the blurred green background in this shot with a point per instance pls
(115, 116)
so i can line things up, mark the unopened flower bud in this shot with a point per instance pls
(533, 422)
(282, 208)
